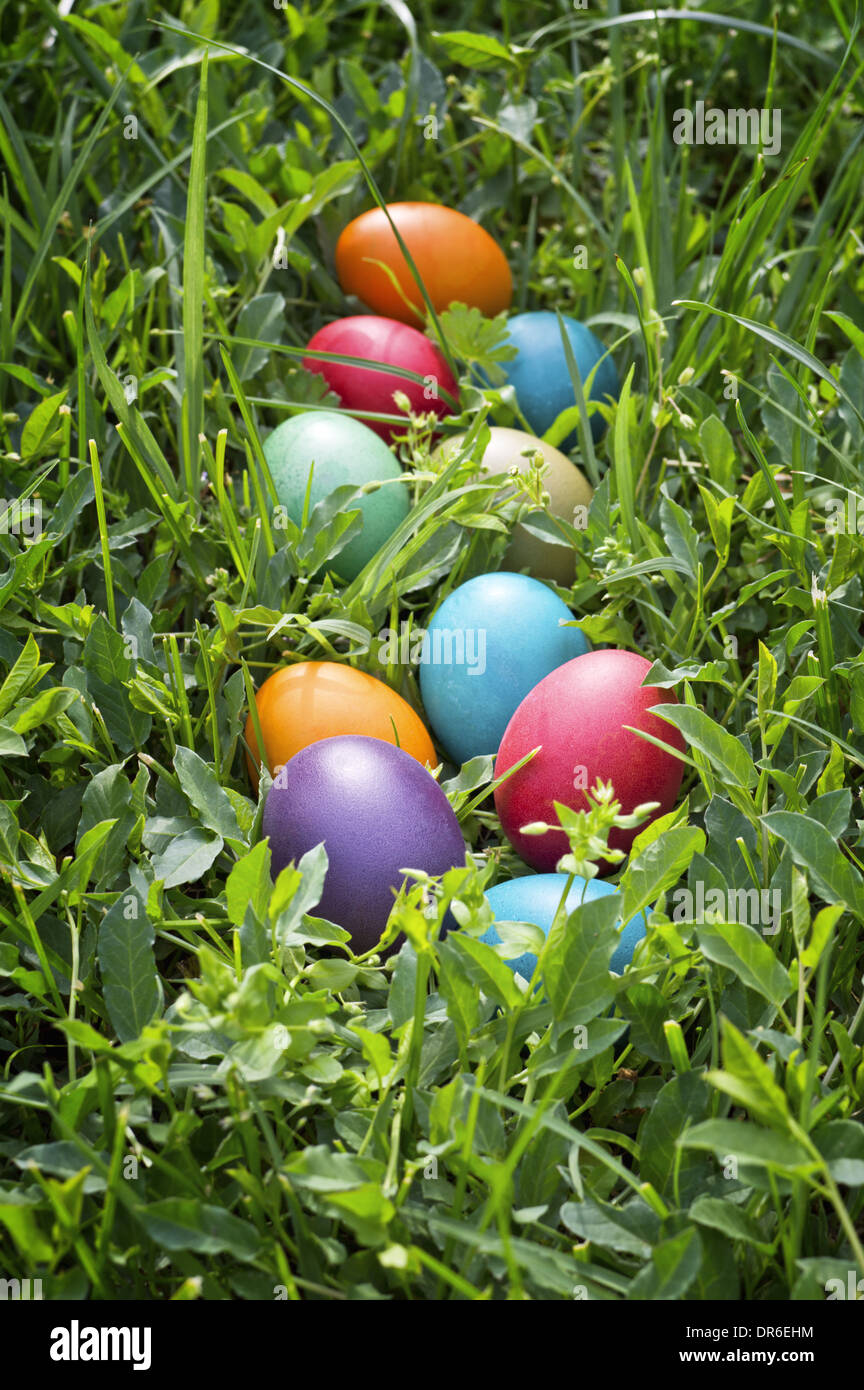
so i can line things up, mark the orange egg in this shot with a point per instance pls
(455, 258)
(301, 704)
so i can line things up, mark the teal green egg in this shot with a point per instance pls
(339, 452)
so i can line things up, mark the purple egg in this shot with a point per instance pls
(376, 810)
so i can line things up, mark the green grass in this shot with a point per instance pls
(203, 1093)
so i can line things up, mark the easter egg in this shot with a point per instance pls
(376, 811)
(539, 374)
(576, 716)
(455, 258)
(370, 388)
(535, 898)
(338, 451)
(301, 704)
(569, 497)
(487, 645)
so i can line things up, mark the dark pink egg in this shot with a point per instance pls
(377, 812)
(580, 717)
(371, 388)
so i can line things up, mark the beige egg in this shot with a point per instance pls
(567, 489)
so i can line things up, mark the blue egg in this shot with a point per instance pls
(489, 643)
(535, 898)
(539, 373)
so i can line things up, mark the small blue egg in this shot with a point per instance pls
(539, 373)
(489, 643)
(535, 898)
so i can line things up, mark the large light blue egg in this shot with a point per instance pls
(539, 373)
(488, 644)
(535, 898)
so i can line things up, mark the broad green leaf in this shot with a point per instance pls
(814, 849)
(724, 752)
(23, 1226)
(482, 969)
(675, 1263)
(850, 328)
(518, 118)
(185, 1223)
(841, 1143)
(128, 727)
(475, 51)
(106, 797)
(720, 517)
(376, 1050)
(682, 1102)
(742, 950)
(823, 930)
(297, 891)
(366, 1211)
(333, 974)
(105, 652)
(458, 990)
(88, 849)
(749, 1143)
(658, 866)
(652, 830)
(109, 797)
(42, 708)
(12, 745)
(588, 1040)
(249, 884)
(574, 963)
(9, 834)
(717, 1280)
(321, 1168)
(22, 675)
(40, 426)
(647, 1010)
(337, 178)
(718, 451)
(187, 859)
(678, 532)
(631, 1230)
(400, 1001)
(766, 684)
(137, 625)
(749, 1081)
(131, 985)
(62, 1159)
(260, 318)
(202, 787)
(733, 1221)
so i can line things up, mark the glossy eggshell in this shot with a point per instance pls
(567, 489)
(535, 898)
(455, 257)
(371, 389)
(301, 704)
(344, 452)
(576, 716)
(376, 811)
(508, 628)
(540, 376)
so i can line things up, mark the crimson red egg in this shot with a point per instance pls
(371, 389)
(576, 716)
